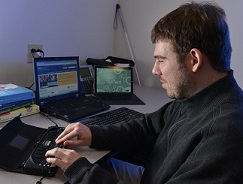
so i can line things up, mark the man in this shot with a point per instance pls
(196, 138)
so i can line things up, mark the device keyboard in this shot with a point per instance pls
(113, 117)
(46, 143)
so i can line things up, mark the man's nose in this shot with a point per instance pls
(155, 70)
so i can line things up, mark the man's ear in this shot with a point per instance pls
(196, 59)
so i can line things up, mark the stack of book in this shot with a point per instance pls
(16, 100)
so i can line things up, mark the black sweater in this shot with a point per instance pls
(196, 140)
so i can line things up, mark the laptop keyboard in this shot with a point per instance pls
(73, 103)
(113, 117)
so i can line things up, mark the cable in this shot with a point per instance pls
(46, 116)
(30, 86)
(39, 182)
(37, 53)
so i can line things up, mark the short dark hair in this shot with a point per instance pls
(197, 25)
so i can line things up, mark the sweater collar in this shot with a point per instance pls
(209, 96)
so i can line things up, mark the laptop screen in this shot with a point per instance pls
(56, 78)
(111, 79)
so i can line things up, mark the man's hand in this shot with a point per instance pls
(63, 158)
(79, 131)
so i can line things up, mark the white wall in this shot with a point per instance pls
(77, 27)
(141, 15)
(85, 28)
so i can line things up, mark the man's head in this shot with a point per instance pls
(197, 25)
(192, 48)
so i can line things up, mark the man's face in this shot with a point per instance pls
(175, 77)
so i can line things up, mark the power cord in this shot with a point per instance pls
(36, 53)
(39, 182)
(29, 87)
(48, 117)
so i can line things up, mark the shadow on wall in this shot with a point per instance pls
(17, 73)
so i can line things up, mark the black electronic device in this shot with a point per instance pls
(36, 163)
(114, 85)
(86, 79)
(113, 117)
(58, 90)
(23, 148)
(110, 61)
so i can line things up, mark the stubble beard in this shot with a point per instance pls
(183, 88)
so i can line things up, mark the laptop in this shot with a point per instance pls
(114, 85)
(58, 90)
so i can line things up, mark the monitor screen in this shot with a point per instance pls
(56, 76)
(113, 79)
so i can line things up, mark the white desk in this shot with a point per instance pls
(153, 98)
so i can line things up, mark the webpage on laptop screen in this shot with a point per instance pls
(56, 78)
